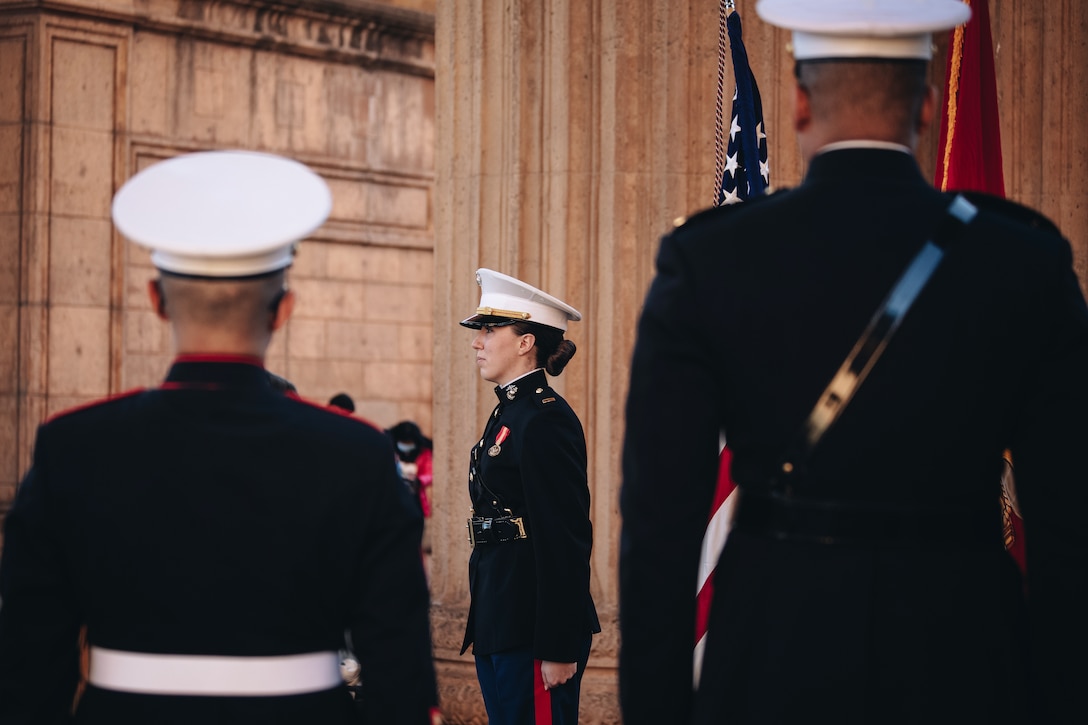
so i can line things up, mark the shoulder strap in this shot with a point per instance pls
(869, 347)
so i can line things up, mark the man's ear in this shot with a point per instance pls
(158, 299)
(283, 309)
(802, 109)
(928, 111)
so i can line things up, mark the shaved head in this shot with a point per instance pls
(866, 98)
(243, 308)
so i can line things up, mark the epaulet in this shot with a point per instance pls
(336, 411)
(544, 396)
(369, 423)
(1003, 207)
(714, 212)
(94, 404)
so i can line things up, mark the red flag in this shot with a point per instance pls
(969, 150)
(969, 159)
(1013, 525)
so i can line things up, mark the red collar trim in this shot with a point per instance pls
(94, 403)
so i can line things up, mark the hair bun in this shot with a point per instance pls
(559, 359)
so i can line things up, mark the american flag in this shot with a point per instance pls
(721, 514)
(746, 174)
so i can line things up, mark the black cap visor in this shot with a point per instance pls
(478, 321)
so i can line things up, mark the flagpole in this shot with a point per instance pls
(724, 8)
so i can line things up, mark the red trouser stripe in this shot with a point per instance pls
(542, 699)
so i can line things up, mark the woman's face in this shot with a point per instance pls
(502, 354)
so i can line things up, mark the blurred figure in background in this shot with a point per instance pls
(415, 456)
(342, 401)
(282, 384)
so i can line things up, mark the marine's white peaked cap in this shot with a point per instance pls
(508, 300)
(222, 213)
(898, 29)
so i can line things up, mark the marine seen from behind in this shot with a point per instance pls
(870, 347)
(216, 541)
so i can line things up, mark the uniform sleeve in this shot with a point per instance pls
(670, 455)
(390, 631)
(1052, 488)
(39, 621)
(557, 496)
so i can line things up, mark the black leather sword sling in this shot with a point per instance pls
(882, 326)
(785, 514)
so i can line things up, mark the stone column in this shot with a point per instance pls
(58, 168)
(1041, 62)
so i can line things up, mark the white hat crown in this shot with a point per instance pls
(222, 213)
(896, 29)
(503, 296)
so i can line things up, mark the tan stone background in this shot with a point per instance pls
(92, 92)
(551, 139)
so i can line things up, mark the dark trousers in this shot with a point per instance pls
(514, 693)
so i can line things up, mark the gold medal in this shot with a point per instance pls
(497, 448)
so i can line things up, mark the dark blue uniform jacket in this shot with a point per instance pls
(212, 516)
(533, 591)
(752, 311)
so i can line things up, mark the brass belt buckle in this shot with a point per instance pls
(471, 533)
(516, 521)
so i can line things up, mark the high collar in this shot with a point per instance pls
(521, 387)
(215, 372)
(856, 164)
(862, 143)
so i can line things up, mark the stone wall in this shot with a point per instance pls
(90, 92)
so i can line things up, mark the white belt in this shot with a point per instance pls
(155, 674)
